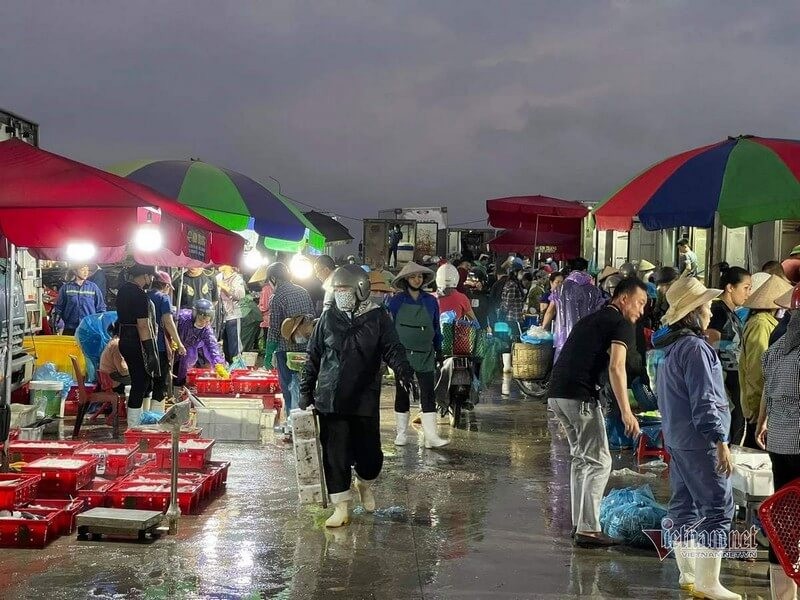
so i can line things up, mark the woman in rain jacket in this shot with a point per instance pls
(342, 380)
(195, 332)
(696, 420)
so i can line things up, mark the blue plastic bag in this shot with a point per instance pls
(447, 317)
(626, 513)
(48, 372)
(92, 335)
(151, 417)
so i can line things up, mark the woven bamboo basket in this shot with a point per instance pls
(532, 361)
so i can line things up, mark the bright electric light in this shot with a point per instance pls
(252, 260)
(301, 267)
(80, 251)
(147, 238)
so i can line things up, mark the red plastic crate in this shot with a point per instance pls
(193, 373)
(69, 510)
(192, 454)
(96, 493)
(147, 439)
(30, 533)
(120, 458)
(29, 450)
(151, 495)
(780, 517)
(144, 461)
(22, 491)
(62, 477)
(213, 385)
(220, 471)
(205, 479)
(256, 382)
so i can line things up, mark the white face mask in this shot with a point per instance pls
(345, 300)
(299, 339)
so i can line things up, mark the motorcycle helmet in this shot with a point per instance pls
(352, 276)
(202, 308)
(666, 275)
(610, 283)
(628, 270)
(446, 277)
(516, 265)
(478, 275)
(277, 273)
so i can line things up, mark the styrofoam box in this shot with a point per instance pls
(303, 424)
(752, 471)
(230, 419)
(22, 415)
(310, 494)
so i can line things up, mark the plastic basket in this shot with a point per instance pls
(62, 476)
(192, 454)
(30, 533)
(95, 494)
(68, 512)
(780, 517)
(255, 382)
(532, 361)
(148, 437)
(55, 349)
(212, 385)
(193, 373)
(150, 494)
(120, 458)
(17, 489)
(296, 360)
(30, 450)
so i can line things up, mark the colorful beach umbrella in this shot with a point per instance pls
(745, 179)
(230, 199)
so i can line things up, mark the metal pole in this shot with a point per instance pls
(536, 241)
(179, 295)
(174, 510)
(5, 405)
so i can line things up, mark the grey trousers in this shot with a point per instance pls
(591, 459)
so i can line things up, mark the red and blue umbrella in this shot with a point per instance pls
(746, 180)
(230, 199)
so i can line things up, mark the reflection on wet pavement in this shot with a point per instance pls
(487, 517)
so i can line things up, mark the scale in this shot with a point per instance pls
(141, 524)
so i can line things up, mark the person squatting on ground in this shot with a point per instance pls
(232, 291)
(598, 344)
(159, 294)
(725, 334)
(696, 424)
(288, 300)
(342, 381)
(137, 337)
(78, 298)
(778, 430)
(195, 332)
(416, 318)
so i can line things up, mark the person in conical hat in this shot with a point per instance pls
(416, 318)
(755, 341)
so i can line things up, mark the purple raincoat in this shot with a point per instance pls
(576, 298)
(194, 339)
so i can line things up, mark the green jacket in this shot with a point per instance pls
(755, 342)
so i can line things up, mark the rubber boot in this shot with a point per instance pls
(340, 516)
(507, 363)
(134, 417)
(401, 424)
(685, 559)
(706, 578)
(146, 403)
(364, 489)
(432, 439)
(781, 585)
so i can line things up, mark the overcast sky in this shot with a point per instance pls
(357, 105)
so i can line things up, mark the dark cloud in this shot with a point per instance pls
(356, 104)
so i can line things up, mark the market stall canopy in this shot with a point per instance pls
(312, 237)
(48, 201)
(333, 230)
(522, 212)
(745, 179)
(230, 199)
(557, 244)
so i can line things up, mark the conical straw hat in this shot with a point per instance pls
(765, 296)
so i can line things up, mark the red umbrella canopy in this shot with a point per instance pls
(522, 212)
(521, 241)
(48, 201)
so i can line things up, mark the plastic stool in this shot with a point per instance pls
(645, 450)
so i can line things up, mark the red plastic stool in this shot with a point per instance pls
(646, 449)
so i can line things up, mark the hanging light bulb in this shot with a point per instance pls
(147, 237)
(80, 251)
(300, 267)
(252, 260)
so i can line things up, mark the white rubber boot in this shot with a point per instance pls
(340, 516)
(685, 559)
(781, 585)
(401, 425)
(507, 368)
(706, 579)
(432, 439)
(364, 489)
(134, 417)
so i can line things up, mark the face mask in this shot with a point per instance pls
(345, 300)
(377, 298)
(299, 339)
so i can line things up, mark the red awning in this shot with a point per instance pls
(522, 212)
(47, 201)
(521, 241)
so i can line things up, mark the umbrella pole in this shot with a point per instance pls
(5, 403)
(179, 295)
(536, 243)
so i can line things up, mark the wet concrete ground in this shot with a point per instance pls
(486, 517)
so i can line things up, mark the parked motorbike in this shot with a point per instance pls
(460, 391)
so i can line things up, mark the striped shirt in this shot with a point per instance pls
(288, 300)
(782, 392)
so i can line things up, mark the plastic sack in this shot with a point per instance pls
(92, 335)
(237, 364)
(491, 364)
(447, 317)
(151, 417)
(48, 372)
(645, 398)
(625, 513)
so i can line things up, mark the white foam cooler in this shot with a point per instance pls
(231, 419)
(752, 472)
(306, 454)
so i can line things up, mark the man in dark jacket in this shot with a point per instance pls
(342, 379)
